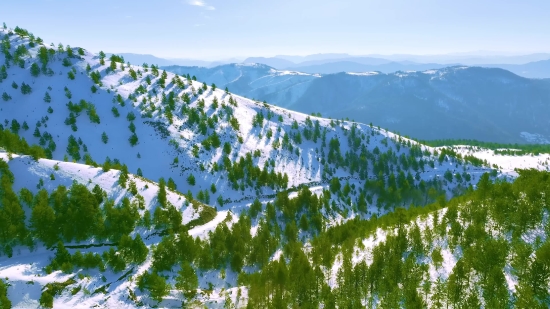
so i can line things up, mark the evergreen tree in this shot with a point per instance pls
(4, 300)
(6, 97)
(191, 180)
(47, 97)
(187, 281)
(25, 88)
(35, 69)
(133, 139)
(104, 138)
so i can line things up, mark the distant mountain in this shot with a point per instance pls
(530, 66)
(359, 60)
(457, 102)
(272, 62)
(352, 66)
(476, 58)
(298, 59)
(139, 59)
(488, 104)
(538, 69)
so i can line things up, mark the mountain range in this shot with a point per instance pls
(488, 104)
(530, 66)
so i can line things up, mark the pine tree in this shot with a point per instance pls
(36, 132)
(4, 300)
(35, 69)
(104, 138)
(6, 97)
(25, 88)
(191, 180)
(133, 139)
(187, 280)
(47, 97)
(43, 220)
(171, 184)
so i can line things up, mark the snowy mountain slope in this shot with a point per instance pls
(25, 270)
(169, 150)
(169, 144)
(481, 250)
(195, 136)
(29, 174)
(26, 277)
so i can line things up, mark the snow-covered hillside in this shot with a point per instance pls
(181, 129)
(274, 177)
(25, 269)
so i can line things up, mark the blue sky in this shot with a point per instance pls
(218, 29)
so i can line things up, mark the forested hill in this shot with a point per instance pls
(217, 147)
(108, 169)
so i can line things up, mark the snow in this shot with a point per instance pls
(363, 73)
(431, 72)
(507, 163)
(202, 231)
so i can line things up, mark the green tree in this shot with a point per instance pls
(47, 97)
(43, 220)
(133, 139)
(227, 148)
(104, 138)
(448, 176)
(155, 283)
(15, 126)
(335, 184)
(171, 184)
(6, 97)
(35, 69)
(4, 300)
(191, 180)
(25, 88)
(186, 280)
(46, 299)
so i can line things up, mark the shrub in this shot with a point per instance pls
(6, 97)
(25, 88)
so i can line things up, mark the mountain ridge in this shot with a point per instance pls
(347, 95)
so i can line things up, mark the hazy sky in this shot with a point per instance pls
(217, 29)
